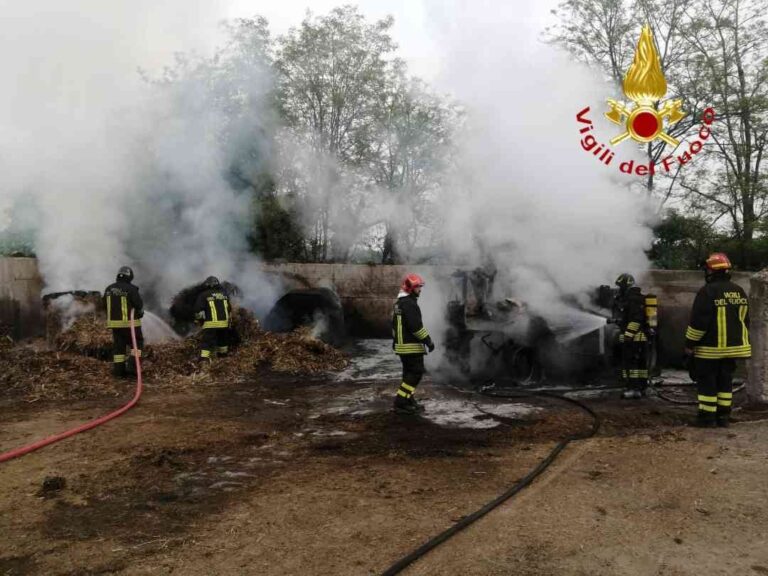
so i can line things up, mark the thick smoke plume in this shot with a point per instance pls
(556, 221)
(108, 168)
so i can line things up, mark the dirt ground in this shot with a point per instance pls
(285, 475)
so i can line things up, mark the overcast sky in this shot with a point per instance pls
(417, 22)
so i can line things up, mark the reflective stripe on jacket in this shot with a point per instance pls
(408, 332)
(212, 306)
(719, 326)
(119, 299)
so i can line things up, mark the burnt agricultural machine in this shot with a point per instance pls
(491, 336)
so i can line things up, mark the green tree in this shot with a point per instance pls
(412, 149)
(681, 242)
(714, 53)
(604, 33)
(729, 43)
(277, 232)
(331, 72)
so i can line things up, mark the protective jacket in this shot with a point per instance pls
(719, 326)
(120, 298)
(409, 335)
(213, 308)
(631, 314)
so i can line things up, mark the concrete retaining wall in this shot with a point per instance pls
(20, 293)
(676, 290)
(367, 293)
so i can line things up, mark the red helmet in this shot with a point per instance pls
(410, 282)
(717, 262)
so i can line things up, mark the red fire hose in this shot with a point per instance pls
(93, 423)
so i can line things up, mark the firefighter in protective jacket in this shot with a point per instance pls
(212, 309)
(410, 341)
(120, 299)
(717, 335)
(633, 337)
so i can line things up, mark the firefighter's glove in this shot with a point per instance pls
(430, 344)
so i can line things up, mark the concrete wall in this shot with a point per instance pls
(676, 290)
(366, 291)
(20, 293)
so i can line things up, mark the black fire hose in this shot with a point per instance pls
(657, 388)
(409, 559)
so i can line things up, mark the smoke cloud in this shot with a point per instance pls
(110, 169)
(555, 219)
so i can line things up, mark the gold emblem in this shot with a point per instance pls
(644, 84)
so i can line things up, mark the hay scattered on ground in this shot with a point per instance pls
(41, 375)
(74, 370)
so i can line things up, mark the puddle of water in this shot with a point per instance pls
(676, 377)
(358, 402)
(216, 459)
(372, 359)
(276, 402)
(330, 433)
(229, 474)
(225, 485)
(462, 414)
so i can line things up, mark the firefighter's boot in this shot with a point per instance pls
(705, 420)
(118, 370)
(405, 407)
(416, 404)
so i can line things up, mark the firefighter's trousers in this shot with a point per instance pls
(634, 361)
(714, 381)
(413, 371)
(214, 340)
(122, 362)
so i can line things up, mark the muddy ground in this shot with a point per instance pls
(289, 475)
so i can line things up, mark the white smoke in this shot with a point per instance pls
(116, 170)
(70, 309)
(555, 219)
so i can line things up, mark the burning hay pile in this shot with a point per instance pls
(297, 353)
(64, 308)
(74, 371)
(87, 336)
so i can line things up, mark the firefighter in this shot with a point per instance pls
(717, 335)
(212, 309)
(410, 342)
(120, 299)
(633, 338)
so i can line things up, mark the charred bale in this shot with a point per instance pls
(319, 308)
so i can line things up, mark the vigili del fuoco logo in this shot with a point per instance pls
(647, 117)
